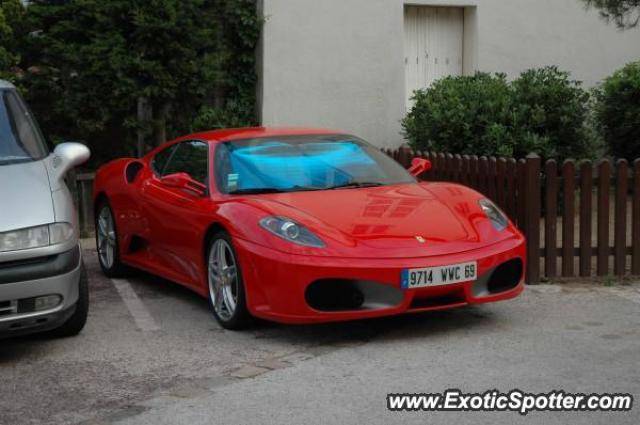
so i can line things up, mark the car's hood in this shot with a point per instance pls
(25, 196)
(403, 220)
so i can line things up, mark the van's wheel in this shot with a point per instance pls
(78, 319)
(226, 287)
(107, 241)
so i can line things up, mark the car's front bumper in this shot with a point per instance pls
(24, 281)
(276, 282)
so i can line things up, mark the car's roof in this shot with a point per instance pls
(229, 134)
(6, 85)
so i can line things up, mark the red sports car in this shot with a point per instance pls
(302, 226)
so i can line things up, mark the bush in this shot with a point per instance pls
(543, 111)
(618, 112)
(550, 115)
(466, 115)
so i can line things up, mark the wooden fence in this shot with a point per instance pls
(580, 218)
(81, 186)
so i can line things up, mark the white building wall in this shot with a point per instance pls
(340, 63)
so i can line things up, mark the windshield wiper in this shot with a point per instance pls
(255, 191)
(262, 190)
(355, 185)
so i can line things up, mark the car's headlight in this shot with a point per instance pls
(35, 237)
(291, 231)
(495, 215)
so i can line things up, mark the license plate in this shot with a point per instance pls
(437, 276)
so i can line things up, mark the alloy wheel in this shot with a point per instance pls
(106, 238)
(223, 279)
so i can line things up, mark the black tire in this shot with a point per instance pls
(240, 319)
(78, 319)
(117, 269)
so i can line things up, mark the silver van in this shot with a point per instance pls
(43, 284)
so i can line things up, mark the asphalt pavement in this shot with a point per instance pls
(152, 354)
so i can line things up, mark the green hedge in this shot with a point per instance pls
(618, 112)
(542, 111)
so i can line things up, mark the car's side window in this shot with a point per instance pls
(192, 158)
(159, 162)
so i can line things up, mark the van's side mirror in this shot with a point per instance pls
(67, 156)
(419, 166)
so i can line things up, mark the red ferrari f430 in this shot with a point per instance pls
(303, 226)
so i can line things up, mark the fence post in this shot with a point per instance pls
(483, 175)
(568, 216)
(532, 217)
(511, 197)
(586, 208)
(620, 221)
(521, 173)
(457, 175)
(441, 167)
(604, 177)
(551, 219)
(84, 187)
(635, 220)
(466, 170)
(448, 158)
(501, 189)
(404, 156)
(473, 172)
(492, 176)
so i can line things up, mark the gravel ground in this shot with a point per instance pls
(182, 368)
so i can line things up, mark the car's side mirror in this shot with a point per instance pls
(419, 166)
(67, 156)
(184, 181)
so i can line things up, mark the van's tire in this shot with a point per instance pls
(78, 319)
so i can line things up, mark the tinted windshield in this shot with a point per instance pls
(20, 138)
(297, 163)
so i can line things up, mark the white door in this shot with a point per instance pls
(433, 44)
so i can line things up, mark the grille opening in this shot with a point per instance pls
(505, 277)
(27, 305)
(334, 295)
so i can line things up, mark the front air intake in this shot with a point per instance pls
(333, 295)
(505, 277)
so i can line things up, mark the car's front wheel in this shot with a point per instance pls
(107, 241)
(226, 287)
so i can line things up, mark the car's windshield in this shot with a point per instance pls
(20, 137)
(299, 163)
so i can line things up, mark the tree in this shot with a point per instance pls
(625, 13)
(11, 12)
(618, 111)
(110, 69)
